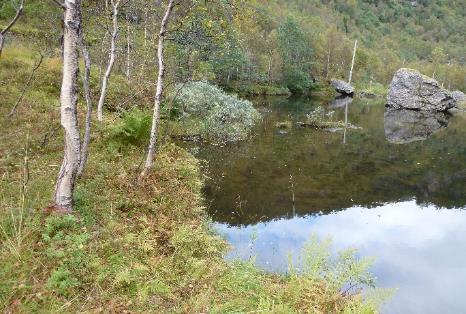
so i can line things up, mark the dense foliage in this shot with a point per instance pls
(222, 117)
(293, 43)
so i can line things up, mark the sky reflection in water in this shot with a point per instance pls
(419, 250)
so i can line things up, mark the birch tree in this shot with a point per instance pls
(87, 95)
(111, 59)
(352, 61)
(3, 32)
(159, 91)
(128, 48)
(66, 180)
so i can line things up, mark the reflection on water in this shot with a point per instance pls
(405, 204)
(406, 126)
(341, 101)
(421, 250)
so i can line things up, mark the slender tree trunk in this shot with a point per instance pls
(159, 92)
(102, 52)
(2, 42)
(328, 65)
(3, 32)
(128, 51)
(68, 102)
(352, 62)
(111, 61)
(87, 94)
(145, 41)
(269, 70)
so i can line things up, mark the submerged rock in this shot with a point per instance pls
(342, 87)
(406, 126)
(410, 89)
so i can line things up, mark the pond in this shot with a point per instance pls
(394, 188)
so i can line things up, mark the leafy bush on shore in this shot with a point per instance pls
(222, 117)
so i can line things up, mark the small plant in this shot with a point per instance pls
(61, 280)
(132, 130)
(320, 119)
(284, 124)
(333, 283)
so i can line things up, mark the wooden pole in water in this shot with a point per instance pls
(352, 62)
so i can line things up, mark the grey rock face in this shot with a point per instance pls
(342, 87)
(406, 126)
(410, 89)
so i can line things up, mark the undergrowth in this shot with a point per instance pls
(133, 246)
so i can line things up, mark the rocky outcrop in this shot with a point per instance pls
(406, 126)
(342, 87)
(410, 89)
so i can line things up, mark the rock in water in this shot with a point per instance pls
(342, 87)
(412, 90)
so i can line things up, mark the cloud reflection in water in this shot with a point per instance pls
(419, 250)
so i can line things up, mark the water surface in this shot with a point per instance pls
(394, 189)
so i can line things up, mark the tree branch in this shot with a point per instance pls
(18, 14)
(34, 69)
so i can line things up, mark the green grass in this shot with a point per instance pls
(131, 246)
(372, 90)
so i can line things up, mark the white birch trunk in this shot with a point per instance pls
(159, 92)
(352, 62)
(111, 61)
(128, 51)
(68, 103)
(87, 94)
(145, 41)
(102, 52)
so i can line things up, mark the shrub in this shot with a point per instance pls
(132, 130)
(225, 118)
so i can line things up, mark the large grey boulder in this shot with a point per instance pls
(412, 90)
(342, 87)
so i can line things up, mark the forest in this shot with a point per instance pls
(106, 205)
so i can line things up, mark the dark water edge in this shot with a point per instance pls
(394, 189)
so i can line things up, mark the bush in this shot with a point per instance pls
(132, 130)
(224, 118)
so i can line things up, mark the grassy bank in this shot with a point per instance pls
(131, 246)
(255, 89)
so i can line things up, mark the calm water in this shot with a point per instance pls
(395, 189)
